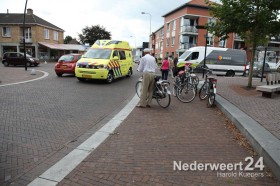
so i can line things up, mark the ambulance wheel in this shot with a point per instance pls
(230, 73)
(110, 78)
(129, 74)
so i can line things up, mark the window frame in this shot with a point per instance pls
(7, 30)
(122, 55)
(174, 25)
(55, 35)
(167, 42)
(173, 41)
(46, 33)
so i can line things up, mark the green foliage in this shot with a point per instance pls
(67, 39)
(93, 33)
(253, 20)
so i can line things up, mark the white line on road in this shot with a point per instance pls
(45, 75)
(63, 167)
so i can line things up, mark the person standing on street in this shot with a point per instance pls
(171, 65)
(164, 69)
(148, 66)
(175, 69)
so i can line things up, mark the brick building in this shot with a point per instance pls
(179, 32)
(43, 39)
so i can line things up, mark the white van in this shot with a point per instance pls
(222, 61)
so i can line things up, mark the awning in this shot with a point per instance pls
(63, 46)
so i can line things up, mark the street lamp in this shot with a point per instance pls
(150, 25)
(24, 52)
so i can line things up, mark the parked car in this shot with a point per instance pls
(259, 67)
(66, 64)
(17, 58)
(136, 59)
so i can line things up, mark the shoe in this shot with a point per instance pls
(149, 106)
(139, 106)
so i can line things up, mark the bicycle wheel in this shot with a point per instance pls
(164, 101)
(138, 88)
(186, 93)
(211, 99)
(176, 84)
(174, 90)
(203, 91)
(195, 79)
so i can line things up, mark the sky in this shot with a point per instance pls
(122, 18)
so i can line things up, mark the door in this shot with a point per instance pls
(123, 63)
(20, 60)
(13, 59)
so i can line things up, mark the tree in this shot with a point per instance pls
(254, 20)
(67, 39)
(93, 33)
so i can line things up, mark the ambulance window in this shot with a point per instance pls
(115, 53)
(122, 55)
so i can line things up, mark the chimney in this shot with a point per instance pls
(29, 11)
(7, 11)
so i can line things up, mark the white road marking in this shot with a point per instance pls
(45, 75)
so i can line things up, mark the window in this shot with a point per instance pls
(210, 39)
(161, 32)
(6, 32)
(66, 58)
(193, 56)
(14, 55)
(167, 42)
(173, 41)
(46, 34)
(168, 27)
(122, 55)
(174, 25)
(98, 53)
(55, 35)
(115, 53)
(28, 33)
(223, 43)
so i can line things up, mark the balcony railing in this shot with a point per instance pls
(186, 45)
(275, 39)
(189, 29)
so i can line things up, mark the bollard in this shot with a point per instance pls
(277, 77)
(267, 78)
(270, 78)
(33, 72)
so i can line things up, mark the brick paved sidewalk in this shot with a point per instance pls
(142, 150)
(17, 74)
(265, 111)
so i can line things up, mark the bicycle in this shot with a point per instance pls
(185, 85)
(208, 89)
(161, 91)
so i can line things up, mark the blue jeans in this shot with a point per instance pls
(164, 75)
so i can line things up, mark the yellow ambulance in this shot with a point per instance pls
(107, 60)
